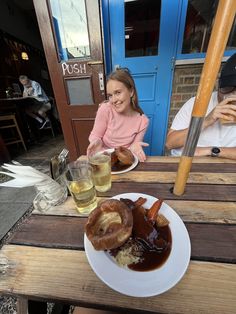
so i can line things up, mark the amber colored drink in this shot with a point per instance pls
(233, 121)
(79, 181)
(101, 165)
(84, 195)
(223, 121)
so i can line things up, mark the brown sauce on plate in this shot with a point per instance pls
(154, 259)
(118, 166)
(153, 242)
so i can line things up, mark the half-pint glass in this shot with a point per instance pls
(101, 164)
(79, 180)
(233, 121)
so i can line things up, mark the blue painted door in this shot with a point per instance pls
(143, 39)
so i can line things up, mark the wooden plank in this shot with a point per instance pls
(201, 192)
(199, 211)
(190, 211)
(213, 242)
(51, 231)
(66, 276)
(170, 159)
(196, 167)
(169, 177)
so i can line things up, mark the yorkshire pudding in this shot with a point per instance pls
(109, 225)
(124, 155)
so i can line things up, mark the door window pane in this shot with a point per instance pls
(79, 91)
(142, 25)
(71, 28)
(198, 27)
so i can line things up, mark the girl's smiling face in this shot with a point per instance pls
(119, 96)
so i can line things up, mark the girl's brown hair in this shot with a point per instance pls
(123, 75)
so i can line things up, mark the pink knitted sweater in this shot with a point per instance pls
(116, 129)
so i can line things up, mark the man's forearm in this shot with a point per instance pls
(176, 138)
(228, 152)
(225, 152)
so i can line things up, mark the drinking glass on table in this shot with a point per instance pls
(101, 165)
(50, 193)
(79, 180)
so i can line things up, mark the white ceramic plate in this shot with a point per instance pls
(149, 283)
(134, 164)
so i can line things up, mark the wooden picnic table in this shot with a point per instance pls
(47, 259)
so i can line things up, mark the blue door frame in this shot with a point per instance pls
(152, 74)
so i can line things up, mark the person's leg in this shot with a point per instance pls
(43, 109)
(32, 112)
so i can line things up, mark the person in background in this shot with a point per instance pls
(40, 102)
(218, 134)
(119, 121)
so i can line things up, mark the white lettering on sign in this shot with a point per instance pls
(76, 68)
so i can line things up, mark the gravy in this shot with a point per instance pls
(118, 166)
(154, 243)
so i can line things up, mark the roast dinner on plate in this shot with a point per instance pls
(121, 159)
(134, 236)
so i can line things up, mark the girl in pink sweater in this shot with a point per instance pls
(119, 121)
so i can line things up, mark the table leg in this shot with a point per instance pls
(22, 306)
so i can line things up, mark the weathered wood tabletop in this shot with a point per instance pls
(47, 259)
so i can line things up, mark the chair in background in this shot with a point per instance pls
(10, 130)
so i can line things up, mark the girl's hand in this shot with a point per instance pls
(94, 147)
(137, 149)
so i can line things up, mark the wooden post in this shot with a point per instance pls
(22, 305)
(223, 22)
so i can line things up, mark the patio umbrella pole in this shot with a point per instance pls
(223, 22)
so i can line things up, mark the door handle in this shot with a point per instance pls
(95, 62)
(101, 81)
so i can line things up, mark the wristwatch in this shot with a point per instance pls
(215, 151)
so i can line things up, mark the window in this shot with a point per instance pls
(142, 24)
(198, 26)
(70, 24)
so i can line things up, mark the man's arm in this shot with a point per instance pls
(225, 152)
(37, 89)
(224, 110)
(176, 138)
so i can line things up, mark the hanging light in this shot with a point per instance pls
(24, 55)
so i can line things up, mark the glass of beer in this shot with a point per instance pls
(233, 121)
(79, 180)
(101, 165)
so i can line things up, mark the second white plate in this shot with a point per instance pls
(134, 164)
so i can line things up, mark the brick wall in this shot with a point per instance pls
(185, 85)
